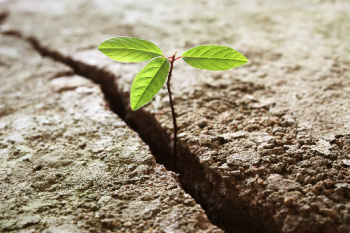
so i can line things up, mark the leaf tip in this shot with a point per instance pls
(134, 107)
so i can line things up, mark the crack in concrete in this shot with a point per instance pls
(202, 183)
(3, 17)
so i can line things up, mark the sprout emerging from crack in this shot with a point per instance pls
(152, 77)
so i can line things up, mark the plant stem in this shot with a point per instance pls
(172, 60)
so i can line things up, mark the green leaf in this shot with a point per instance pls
(213, 57)
(148, 82)
(128, 49)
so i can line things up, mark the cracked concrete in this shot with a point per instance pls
(68, 164)
(264, 147)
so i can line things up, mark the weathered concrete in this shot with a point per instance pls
(265, 147)
(69, 164)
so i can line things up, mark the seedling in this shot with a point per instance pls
(152, 77)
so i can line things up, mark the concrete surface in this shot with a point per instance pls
(265, 147)
(69, 164)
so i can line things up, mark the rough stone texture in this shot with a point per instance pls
(68, 164)
(272, 137)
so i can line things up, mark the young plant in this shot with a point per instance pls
(152, 77)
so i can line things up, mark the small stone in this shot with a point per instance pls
(346, 162)
(104, 199)
(202, 123)
(239, 117)
(261, 74)
(128, 224)
(332, 213)
(189, 202)
(299, 177)
(328, 183)
(289, 201)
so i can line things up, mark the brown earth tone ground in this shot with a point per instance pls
(264, 147)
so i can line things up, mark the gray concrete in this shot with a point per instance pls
(68, 164)
(271, 138)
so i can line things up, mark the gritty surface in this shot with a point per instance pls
(68, 164)
(275, 131)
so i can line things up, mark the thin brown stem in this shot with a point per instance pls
(172, 60)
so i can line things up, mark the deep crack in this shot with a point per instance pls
(202, 183)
